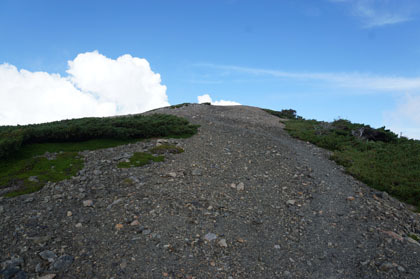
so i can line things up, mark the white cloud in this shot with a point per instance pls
(405, 118)
(376, 13)
(207, 99)
(95, 86)
(348, 80)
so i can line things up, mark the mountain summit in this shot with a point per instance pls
(240, 199)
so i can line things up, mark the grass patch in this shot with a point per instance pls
(166, 148)
(375, 156)
(21, 147)
(140, 159)
(415, 237)
(17, 174)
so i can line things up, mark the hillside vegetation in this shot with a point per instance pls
(27, 162)
(377, 157)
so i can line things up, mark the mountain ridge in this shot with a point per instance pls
(244, 200)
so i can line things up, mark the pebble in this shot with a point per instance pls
(48, 256)
(290, 202)
(88, 203)
(172, 174)
(79, 225)
(135, 223)
(69, 213)
(222, 243)
(350, 198)
(119, 226)
(48, 276)
(240, 186)
(33, 179)
(63, 263)
(386, 266)
(210, 236)
(196, 172)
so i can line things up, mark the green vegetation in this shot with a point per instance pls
(180, 105)
(140, 159)
(31, 174)
(415, 237)
(166, 148)
(375, 156)
(22, 148)
(12, 138)
(285, 113)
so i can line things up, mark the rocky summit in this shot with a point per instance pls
(244, 200)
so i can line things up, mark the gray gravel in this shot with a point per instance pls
(243, 201)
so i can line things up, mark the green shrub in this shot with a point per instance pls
(124, 127)
(384, 162)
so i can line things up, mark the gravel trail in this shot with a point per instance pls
(245, 200)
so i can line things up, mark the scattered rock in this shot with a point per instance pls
(33, 179)
(48, 256)
(88, 203)
(78, 225)
(222, 243)
(240, 186)
(291, 202)
(210, 237)
(119, 226)
(172, 174)
(135, 223)
(48, 276)
(350, 198)
(196, 172)
(386, 266)
(69, 213)
(63, 263)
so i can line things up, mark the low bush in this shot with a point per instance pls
(375, 156)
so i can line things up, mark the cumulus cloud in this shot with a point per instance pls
(95, 86)
(405, 118)
(207, 99)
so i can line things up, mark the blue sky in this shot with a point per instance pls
(326, 59)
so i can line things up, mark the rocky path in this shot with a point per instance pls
(243, 201)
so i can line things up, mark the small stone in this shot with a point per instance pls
(210, 236)
(394, 235)
(172, 174)
(97, 172)
(1, 209)
(276, 246)
(386, 266)
(222, 243)
(146, 232)
(48, 256)
(38, 268)
(233, 185)
(119, 226)
(63, 263)
(240, 186)
(212, 263)
(290, 202)
(240, 240)
(33, 179)
(135, 223)
(20, 275)
(9, 272)
(287, 274)
(88, 203)
(350, 198)
(123, 264)
(48, 276)
(196, 172)
(79, 225)
(69, 213)
(401, 269)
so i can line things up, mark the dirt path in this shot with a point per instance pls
(243, 201)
